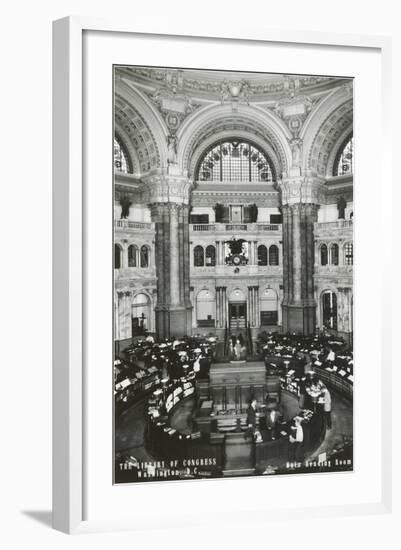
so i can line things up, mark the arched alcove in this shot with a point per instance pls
(329, 309)
(205, 308)
(268, 307)
(141, 314)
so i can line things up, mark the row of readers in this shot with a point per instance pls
(145, 364)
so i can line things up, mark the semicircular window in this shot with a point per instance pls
(345, 159)
(121, 159)
(233, 160)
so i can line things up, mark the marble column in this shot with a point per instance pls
(128, 314)
(124, 255)
(250, 305)
(257, 314)
(300, 202)
(296, 252)
(174, 256)
(344, 310)
(174, 310)
(255, 252)
(286, 267)
(218, 312)
(218, 252)
(251, 254)
(311, 218)
(222, 252)
(120, 314)
(225, 308)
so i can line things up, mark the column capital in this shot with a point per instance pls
(166, 188)
(305, 189)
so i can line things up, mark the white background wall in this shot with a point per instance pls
(26, 231)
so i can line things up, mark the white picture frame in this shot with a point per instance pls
(70, 345)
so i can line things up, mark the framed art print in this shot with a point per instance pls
(211, 197)
(233, 284)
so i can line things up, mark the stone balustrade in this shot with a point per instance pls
(124, 224)
(338, 224)
(259, 227)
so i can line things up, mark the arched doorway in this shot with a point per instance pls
(329, 309)
(141, 314)
(237, 310)
(205, 309)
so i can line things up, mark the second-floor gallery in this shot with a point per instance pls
(233, 203)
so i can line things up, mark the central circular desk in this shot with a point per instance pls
(214, 440)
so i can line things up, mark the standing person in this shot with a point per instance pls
(231, 353)
(296, 439)
(327, 408)
(272, 418)
(251, 418)
(308, 363)
(331, 357)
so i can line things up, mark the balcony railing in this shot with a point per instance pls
(130, 224)
(203, 227)
(224, 227)
(338, 224)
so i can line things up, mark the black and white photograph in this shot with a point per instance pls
(233, 273)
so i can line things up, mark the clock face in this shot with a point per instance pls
(236, 260)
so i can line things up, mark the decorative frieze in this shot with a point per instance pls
(209, 198)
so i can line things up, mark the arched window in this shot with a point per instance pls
(144, 256)
(348, 254)
(323, 255)
(132, 256)
(210, 255)
(344, 161)
(262, 255)
(273, 255)
(334, 254)
(121, 159)
(117, 256)
(199, 259)
(235, 160)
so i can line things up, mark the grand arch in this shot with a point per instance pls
(324, 127)
(143, 125)
(261, 125)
